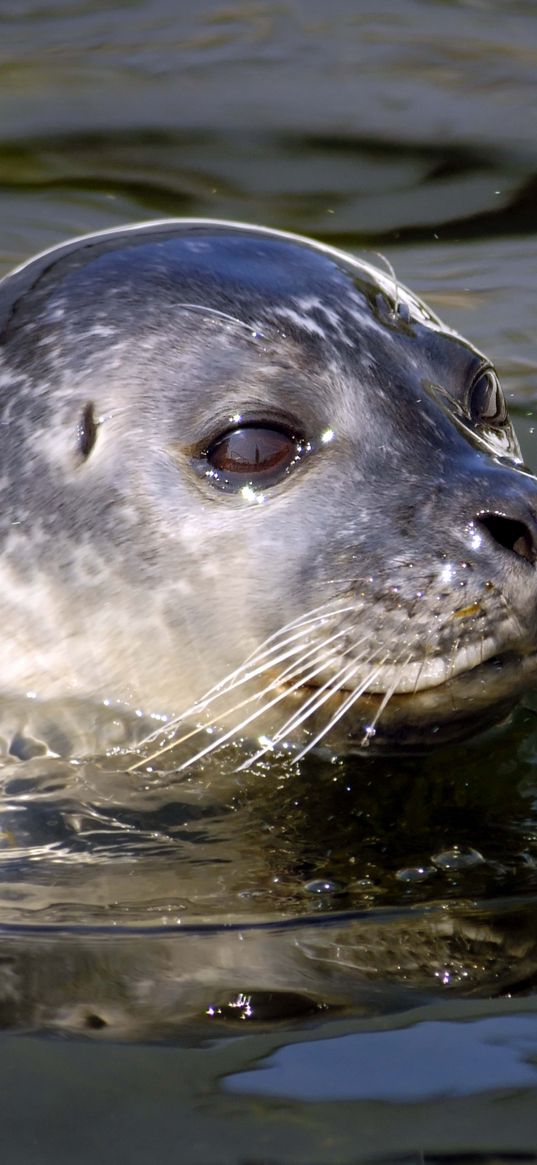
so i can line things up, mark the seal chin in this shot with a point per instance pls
(296, 719)
(465, 705)
(417, 721)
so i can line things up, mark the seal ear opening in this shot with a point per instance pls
(87, 431)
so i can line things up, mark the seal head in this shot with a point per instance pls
(249, 480)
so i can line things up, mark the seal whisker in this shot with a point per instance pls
(453, 654)
(214, 313)
(288, 691)
(240, 677)
(391, 271)
(254, 659)
(371, 728)
(316, 617)
(292, 672)
(243, 674)
(342, 710)
(310, 705)
(326, 647)
(425, 655)
(319, 696)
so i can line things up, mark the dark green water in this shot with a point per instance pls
(362, 986)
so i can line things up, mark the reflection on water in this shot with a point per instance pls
(371, 884)
(101, 843)
(159, 983)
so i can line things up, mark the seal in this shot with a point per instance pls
(252, 484)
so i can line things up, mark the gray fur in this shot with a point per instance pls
(127, 577)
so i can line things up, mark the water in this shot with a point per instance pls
(334, 963)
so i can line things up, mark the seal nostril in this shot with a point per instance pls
(87, 431)
(511, 534)
(95, 1022)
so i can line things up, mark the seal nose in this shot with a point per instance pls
(518, 537)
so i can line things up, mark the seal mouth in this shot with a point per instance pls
(342, 712)
(411, 676)
(345, 723)
(406, 676)
(440, 681)
(467, 702)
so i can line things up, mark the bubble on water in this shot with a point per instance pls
(458, 858)
(322, 886)
(415, 873)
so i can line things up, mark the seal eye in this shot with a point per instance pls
(253, 454)
(486, 402)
